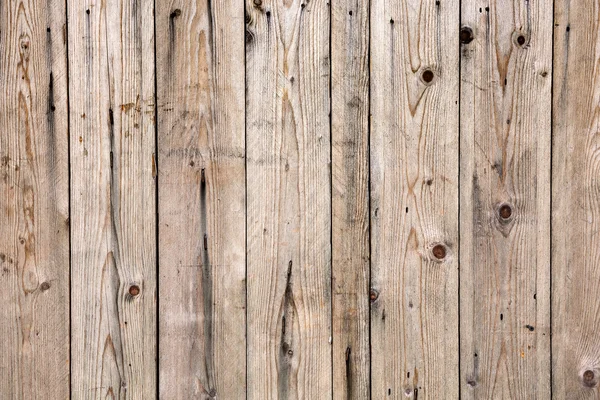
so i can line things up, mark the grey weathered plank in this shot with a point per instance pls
(200, 61)
(575, 220)
(414, 198)
(289, 202)
(350, 198)
(113, 231)
(34, 202)
(505, 199)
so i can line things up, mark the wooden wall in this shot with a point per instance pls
(299, 199)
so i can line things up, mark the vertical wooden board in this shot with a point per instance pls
(34, 201)
(289, 201)
(113, 231)
(575, 220)
(505, 135)
(200, 61)
(350, 198)
(414, 198)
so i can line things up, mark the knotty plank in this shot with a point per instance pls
(414, 198)
(506, 69)
(289, 202)
(575, 220)
(350, 198)
(34, 201)
(113, 227)
(200, 53)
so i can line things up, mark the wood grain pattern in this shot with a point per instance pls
(289, 201)
(34, 202)
(200, 53)
(505, 200)
(575, 219)
(350, 198)
(113, 231)
(414, 199)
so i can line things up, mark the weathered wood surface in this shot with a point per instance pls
(113, 213)
(505, 133)
(202, 211)
(34, 201)
(350, 198)
(575, 196)
(272, 199)
(414, 199)
(289, 202)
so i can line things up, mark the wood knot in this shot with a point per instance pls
(175, 13)
(373, 295)
(134, 290)
(589, 378)
(44, 286)
(505, 212)
(439, 251)
(427, 76)
(466, 35)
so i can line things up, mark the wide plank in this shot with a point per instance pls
(113, 213)
(414, 199)
(289, 201)
(350, 198)
(202, 210)
(506, 73)
(34, 201)
(576, 201)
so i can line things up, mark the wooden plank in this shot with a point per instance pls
(414, 198)
(350, 198)
(113, 215)
(34, 201)
(575, 220)
(200, 53)
(506, 71)
(289, 202)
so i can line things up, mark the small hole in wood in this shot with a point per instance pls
(466, 35)
(521, 40)
(505, 211)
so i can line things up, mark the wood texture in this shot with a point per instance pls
(200, 53)
(505, 200)
(34, 202)
(350, 198)
(575, 219)
(113, 231)
(289, 200)
(414, 199)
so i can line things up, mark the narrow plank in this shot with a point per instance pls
(575, 220)
(350, 198)
(289, 202)
(113, 227)
(202, 212)
(414, 198)
(506, 70)
(34, 201)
